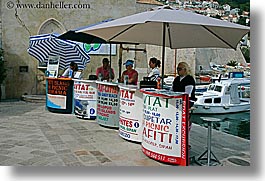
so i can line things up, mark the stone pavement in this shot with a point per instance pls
(32, 136)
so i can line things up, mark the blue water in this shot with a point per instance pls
(237, 124)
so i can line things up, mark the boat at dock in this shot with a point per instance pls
(225, 96)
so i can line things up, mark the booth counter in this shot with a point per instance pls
(131, 113)
(85, 99)
(108, 104)
(165, 126)
(156, 118)
(59, 95)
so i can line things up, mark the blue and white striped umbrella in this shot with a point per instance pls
(43, 46)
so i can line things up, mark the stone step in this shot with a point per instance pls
(34, 98)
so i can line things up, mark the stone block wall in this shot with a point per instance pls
(18, 24)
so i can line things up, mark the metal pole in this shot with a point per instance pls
(110, 54)
(209, 142)
(110, 73)
(163, 53)
(120, 60)
(175, 64)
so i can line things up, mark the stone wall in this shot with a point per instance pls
(18, 24)
(217, 56)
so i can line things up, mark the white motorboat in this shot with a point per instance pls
(226, 96)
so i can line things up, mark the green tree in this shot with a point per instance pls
(232, 63)
(244, 5)
(217, 16)
(242, 21)
(246, 53)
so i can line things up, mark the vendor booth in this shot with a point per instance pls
(131, 113)
(165, 126)
(85, 99)
(59, 95)
(108, 104)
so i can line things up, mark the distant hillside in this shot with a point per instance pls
(244, 5)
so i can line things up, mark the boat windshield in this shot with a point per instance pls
(213, 87)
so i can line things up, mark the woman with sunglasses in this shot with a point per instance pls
(184, 82)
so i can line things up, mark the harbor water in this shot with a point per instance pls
(237, 124)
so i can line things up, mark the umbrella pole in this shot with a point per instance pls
(110, 55)
(110, 62)
(120, 60)
(163, 53)
(175, 64)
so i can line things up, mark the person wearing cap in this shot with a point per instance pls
(105, 71)
(130, 72)
(73, 68)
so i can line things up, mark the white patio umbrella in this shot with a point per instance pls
(168, 27)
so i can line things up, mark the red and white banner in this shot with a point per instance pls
(165, 133)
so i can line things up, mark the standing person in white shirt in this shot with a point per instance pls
(154, 64)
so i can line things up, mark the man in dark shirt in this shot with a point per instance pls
(105, 71)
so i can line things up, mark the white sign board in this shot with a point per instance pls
(53, 66)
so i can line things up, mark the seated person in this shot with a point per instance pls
(185, 82)
(130, 72)
(154, 64)
(105, 71)
(71, 70)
